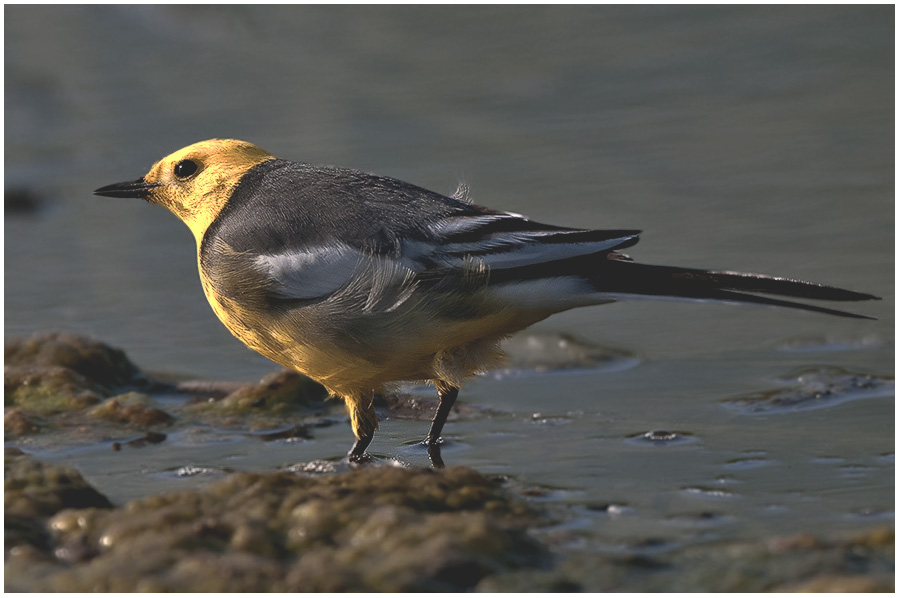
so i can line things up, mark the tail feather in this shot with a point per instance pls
(630, 278)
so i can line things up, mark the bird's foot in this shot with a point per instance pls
(357, 454)
(434, 452)
(360, 460)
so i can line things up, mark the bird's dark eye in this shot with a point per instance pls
(185, 168)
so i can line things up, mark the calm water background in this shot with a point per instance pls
(756, 139)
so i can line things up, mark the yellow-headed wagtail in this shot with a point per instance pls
(359, 281)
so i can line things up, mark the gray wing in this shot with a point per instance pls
(323, 233)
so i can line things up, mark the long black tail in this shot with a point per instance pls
(620, 276)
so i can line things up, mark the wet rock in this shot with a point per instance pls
(95, 361)
(821, 344)
(58, 372)
(291, 433)
(132, 409)
(800, 563)
(771, 565)
(842, 584)
(262, 405)
(815, 389)
(58, 381)
(372, 529)
(48, 389)
(545, 352)
(141, 441)
(34, 491)
(16, 423)
(280, 392)
(206, 390)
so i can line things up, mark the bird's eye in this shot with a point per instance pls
(185, 168)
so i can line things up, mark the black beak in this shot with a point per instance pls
(139, 188)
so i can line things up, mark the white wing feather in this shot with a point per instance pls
(345, 274)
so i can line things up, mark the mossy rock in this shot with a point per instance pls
(96, 361)
(373, 529)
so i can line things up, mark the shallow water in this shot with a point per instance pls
(756, 139)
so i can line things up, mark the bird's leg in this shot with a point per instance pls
(447, 395)
(364, 422)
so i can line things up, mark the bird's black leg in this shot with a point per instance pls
(357, 453)
(448, 395)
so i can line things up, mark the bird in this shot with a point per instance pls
(361, 281)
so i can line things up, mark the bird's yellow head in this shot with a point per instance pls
(195, 182)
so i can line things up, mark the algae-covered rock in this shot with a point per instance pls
(49, 389)
(16, 422)
(133, 409)
(87, 391)
(57, 382)
(259, 405)
(279, 392)
(97, 362)
(34, 491)
(373, 529)
(57, 372)
(859, 562)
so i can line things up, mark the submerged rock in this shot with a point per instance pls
(533, 352)
(373, 529)
(814, 389)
